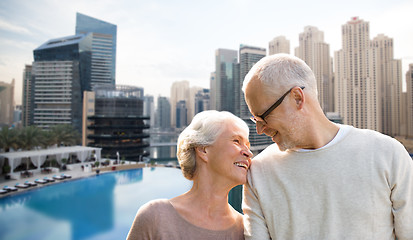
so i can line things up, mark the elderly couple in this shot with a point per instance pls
(320, 180)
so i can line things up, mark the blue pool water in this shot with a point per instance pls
(99, 207)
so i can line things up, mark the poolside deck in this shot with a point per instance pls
(76, 173)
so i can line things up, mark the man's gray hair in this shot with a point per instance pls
(280, 72)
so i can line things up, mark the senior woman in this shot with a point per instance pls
(213, 152)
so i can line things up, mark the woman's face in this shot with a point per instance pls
(230, 156)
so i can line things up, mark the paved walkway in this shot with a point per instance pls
(75, 173)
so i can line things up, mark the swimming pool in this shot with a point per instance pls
(99, 207)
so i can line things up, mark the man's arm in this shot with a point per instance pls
(402, 194)
(255, 226)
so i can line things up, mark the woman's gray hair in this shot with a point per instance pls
(280, 72)
(203, 131)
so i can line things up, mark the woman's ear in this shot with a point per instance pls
(202, 153)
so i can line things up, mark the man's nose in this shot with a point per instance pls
(260, 127)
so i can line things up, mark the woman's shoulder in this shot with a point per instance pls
(156, 205)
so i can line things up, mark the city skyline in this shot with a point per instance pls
(163, 42)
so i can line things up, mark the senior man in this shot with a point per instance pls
(320, 180)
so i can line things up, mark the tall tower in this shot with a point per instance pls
(179, 92)
(250, 55)
(357, 87)
(103, 48)
(163, 113)
(227, 85)
(279, 44)
(390, 82)
(61, 72)
(213, 87)
(316, 53)
(27, 96)
(409, 98)
(6, 103)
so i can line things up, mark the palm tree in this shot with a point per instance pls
(65, 135)
(30, 137)
(8, 139)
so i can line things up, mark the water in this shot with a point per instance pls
(99, 207)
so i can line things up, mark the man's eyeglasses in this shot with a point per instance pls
(262, 117)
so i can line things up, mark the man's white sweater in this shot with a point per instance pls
(360, 187)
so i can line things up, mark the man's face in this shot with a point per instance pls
(281, 124)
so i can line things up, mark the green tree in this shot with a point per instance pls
(65, 135)
(30, 137)
(8, 139)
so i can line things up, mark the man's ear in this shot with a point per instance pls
(298, 96)
(202, 153)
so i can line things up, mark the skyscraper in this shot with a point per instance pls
(149, 109)
(227, 89)
(179, 92)
(163, 113)
(212, 88)
(60, 74)
(279, 44)
(356, 84)
(103, 48)
(27, 96)
(6, 103)
(390, 82)
(409, 100)
(202, 101)
(367, 80)
(250, 55)
(316, 53)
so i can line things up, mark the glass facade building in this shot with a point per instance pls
(118, 124)
(249, 55)
(60, 74)
(103, 69)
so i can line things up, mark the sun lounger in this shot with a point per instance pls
(40, 181)
(31, 184)
(19, 185)
(48, 179)
(58, 177)
(2, 191)
(10, 189)
(66, 175)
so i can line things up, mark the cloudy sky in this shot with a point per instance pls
(162, 41)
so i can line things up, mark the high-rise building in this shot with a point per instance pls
(202, 101)
(6, 103)
(227, 89)
(27, 96)
(117, 125)
(367, 80)
(390, 81)
(181, 114)
(250, 55)
(149, 109)
(103, 48)
(279, 44)
(409, 101)
(191, 102)
(212, 88)
(179, 92)
(163, 113)
(357, 93)
(60, 74)
(316, 53)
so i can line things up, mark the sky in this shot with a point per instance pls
(163, 41)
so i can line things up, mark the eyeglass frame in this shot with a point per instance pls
(274, 106)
